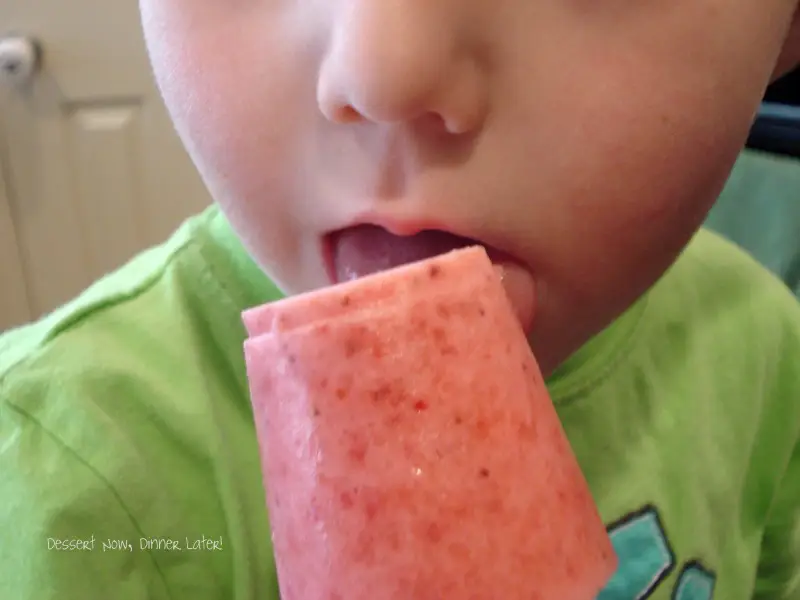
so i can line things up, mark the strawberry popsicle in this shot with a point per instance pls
(409, 448)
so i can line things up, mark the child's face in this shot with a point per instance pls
(585, 139)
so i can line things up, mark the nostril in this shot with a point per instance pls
(433, 123)
(435, 120)
(347, 114)
(342, 114)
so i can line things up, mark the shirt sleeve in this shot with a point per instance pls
(778, 576)
(779, 572)
(64, 531)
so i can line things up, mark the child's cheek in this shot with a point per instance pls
(235, 96)
(239, 90)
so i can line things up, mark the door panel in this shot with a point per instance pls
(95, 170)
(14, 306)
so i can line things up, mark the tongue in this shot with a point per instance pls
(368, 249)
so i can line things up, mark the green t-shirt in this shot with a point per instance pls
(130, 467)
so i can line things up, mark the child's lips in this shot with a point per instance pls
(366, 249)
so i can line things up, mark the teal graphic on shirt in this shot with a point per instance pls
(695, 583)
(646, 559)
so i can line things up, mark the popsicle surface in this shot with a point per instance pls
(409, 446)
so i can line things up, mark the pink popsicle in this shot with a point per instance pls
(409, 446)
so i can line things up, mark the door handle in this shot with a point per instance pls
(20, 59)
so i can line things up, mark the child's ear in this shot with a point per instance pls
(790, 55)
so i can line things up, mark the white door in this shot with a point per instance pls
(14, 304)
(93, 170)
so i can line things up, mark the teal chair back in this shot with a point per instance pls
(759, 210)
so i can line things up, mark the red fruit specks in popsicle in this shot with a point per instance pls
(443, 311)
(482, 429)
(351, 347)
(358, 449)
(458, 551)
(526, 368)
(346, 498)
(378, 350)
(571, 570)
(358, 454)
(420, 405)
(494, 506)
(358, 340)
(371, 508)
(434, 271)
(381, 394)
(418, 324)
(483, 473)
(345, 301)
(440, 337)
(434, 533)
(341, 393)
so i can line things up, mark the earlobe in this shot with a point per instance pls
(790, 55)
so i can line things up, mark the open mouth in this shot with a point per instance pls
(366, 249)
(362, 250)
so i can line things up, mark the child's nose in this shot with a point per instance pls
(393, 61)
